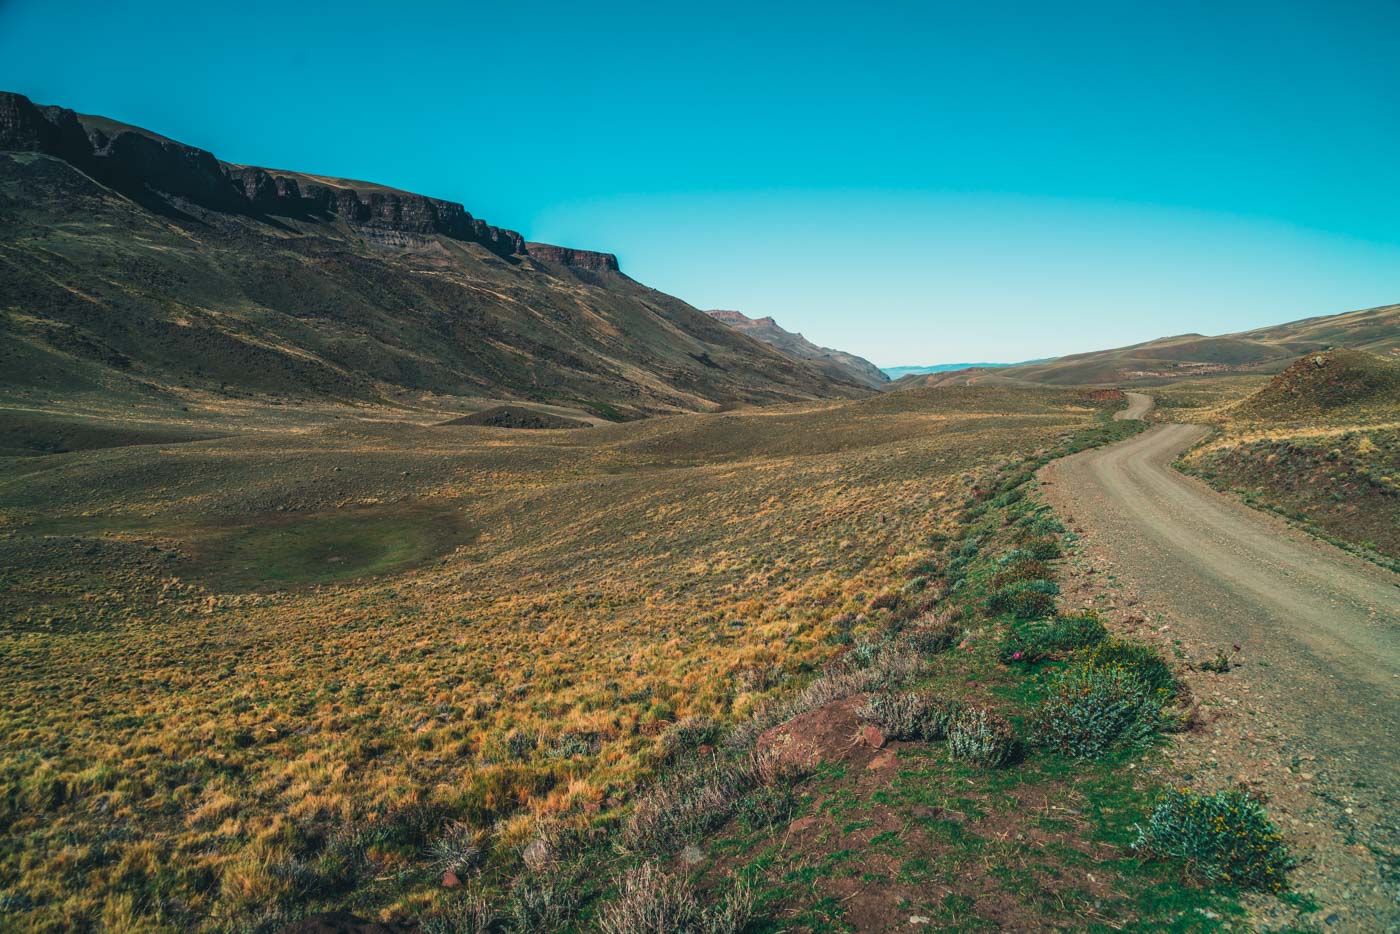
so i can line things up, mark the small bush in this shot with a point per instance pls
(687, 735)
(1139, 660)
(1043, 549)
(766, 806)
(1022, 569)
(1222, 837)
(982, 737)
(457, 849)
(542, 903)
(1089, 709)
(910, 715)
(930, 640)
(1029, 644)
(651, 902)
(471, 915)
(1024, 599)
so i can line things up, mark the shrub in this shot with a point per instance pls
(1042, 548)
(457, 849)
(1222, 837)
(1139, 660)
(1024, 599)
(471, 915)
(687, 735)
(930, 640)
(910, 715)
(983, 737)
(542, 903)
(1029, 644)
(767, 805)
(1089, 708)
(651, 902)
(1021, 569)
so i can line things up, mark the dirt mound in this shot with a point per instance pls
(831, 733)
(505, 416)
(1325, 382)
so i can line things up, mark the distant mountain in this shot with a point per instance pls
(1263, 350)
(896, 372)
(135, 265)
(836, 363)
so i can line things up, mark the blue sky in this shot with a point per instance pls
(917, 182)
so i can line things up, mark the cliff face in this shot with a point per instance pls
(577, 259)
(836, 363)
(141, 164)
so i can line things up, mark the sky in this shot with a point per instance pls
(917, 183)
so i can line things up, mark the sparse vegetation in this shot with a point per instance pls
(911, 715)
(1033, 599)
(649, 901)
(1089, 708)
(1221, 837)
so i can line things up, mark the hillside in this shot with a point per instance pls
(137, 266)
(838, 364)
(1264, 350)
(1334, 381)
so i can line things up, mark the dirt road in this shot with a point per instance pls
(1315, 708)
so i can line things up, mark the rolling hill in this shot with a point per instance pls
(836, 363)
(1264, 350)
(137, 266)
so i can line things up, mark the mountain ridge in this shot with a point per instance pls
(838, 363)
(137, 264)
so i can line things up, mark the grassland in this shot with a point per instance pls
(204, 706)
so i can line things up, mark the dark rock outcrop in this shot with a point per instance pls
(144, 166)
(836, 363)
(577, 259)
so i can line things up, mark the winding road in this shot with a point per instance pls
(1320, 627)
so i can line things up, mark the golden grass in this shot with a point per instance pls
(169, 748)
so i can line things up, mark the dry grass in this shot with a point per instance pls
(182, 748)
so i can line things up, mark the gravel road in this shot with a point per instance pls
(1320, 628)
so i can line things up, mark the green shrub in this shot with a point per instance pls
(930, 640)
(1137, 659)
(543, 902)
(1222, 837)
(766, 806)
(1042, 548)
(982, 737)
(1022, 569)
(1030, 643)
(1024, 599)
(912, 715)
(1089, 709)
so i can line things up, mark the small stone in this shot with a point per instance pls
(872, 736)
(918, 919)
(450, 880)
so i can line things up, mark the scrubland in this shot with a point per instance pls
(258, 674)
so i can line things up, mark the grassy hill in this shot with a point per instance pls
(1264, 350)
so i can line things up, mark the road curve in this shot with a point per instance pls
(1326, 623)
(1138, 406)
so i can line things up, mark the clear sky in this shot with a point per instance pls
(915, 182)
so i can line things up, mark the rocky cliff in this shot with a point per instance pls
(141, 164)
(577, 259)
(837, 363)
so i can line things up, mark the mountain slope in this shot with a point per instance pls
(1264, 350)
(837, 363)
(136, 264)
